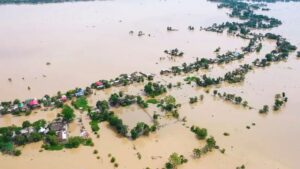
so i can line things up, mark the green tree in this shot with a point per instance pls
(68, 113)
(26, 124)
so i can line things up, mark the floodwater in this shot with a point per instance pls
(87, 41)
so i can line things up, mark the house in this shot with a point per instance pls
(60, 128)
(33, 103)
(57, 126)
(99, 85)
(84, 134)
(27, 130)
(63, 98)
(235, 54)
(62, 135)
(79, 93)
(43, 130)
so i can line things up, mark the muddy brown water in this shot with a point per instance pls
(87, 41)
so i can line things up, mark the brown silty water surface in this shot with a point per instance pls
(87, 41)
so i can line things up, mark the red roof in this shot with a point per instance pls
(63, 98)
(33, 102)
(99, 83)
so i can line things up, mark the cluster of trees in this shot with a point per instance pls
(283, 48)
(18, 107)
(105, 115)
(229, 57)
(231, 98)
(280, 100)
(206, 81)
(201, 133)
(265, 109)
(117, 123)
(237, 75)
(75, 142)
(141, 129)
(154, 89)
(174, 52)
(119, 99)
(52, 142)
(13, 136)
(169, 105)
(245, 11)
(193, 99)
(141, 102)
(67, 114)
(94, 125)
(175, 160)
(210, 145)
(81, 103)
(241, 167)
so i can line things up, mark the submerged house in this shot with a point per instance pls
(60, 128)
(43, 130)
(79, 93)
(33, 103)
(63, 98)
(27, 130)
(99, 85)
(84, 133)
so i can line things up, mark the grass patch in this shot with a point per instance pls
(152, 101)
(81, 103)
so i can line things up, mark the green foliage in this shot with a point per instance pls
(141, 102)
(152, 101)
(193, 100)
(26, 124)
(265, 109)
(73, 142)
(102, 105)
(280, 100)
(175, 160)
(67, 113)
(94, 125)
(201, 133)
(39, 124)
(206, 81)
(154, 89)
(140, 129)
(81, 103)
(121, 99)
(210, 145)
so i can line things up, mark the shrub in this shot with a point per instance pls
(94, 126)
(68, 113)
(201, 133)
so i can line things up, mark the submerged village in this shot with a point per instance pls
(155, 95)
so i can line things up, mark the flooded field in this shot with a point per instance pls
(87, 41)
